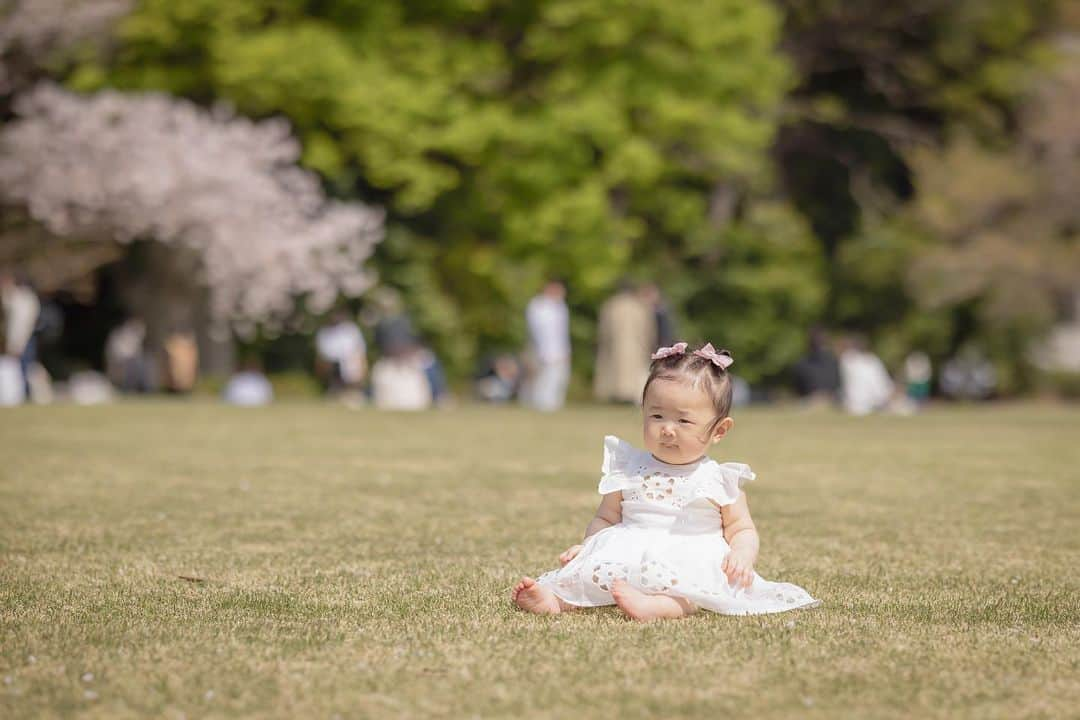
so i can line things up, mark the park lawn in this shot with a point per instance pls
(187, 559)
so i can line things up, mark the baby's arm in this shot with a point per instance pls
(742, 537)
(609, 513)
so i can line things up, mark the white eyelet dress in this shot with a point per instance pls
(670, 540)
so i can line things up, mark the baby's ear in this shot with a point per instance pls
(722, 429)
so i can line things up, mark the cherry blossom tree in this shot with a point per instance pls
(34, 33)
(117, 167)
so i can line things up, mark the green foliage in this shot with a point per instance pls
(1004, 255)
(875, 296)
(903, 149)
(510, 141)
(986, 252)
(876, 76)
(755, 289)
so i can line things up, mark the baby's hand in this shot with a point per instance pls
(569, 554)
(739, 569)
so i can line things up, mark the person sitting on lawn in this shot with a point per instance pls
(673, 533)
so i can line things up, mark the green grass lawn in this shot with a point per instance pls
(358, 564)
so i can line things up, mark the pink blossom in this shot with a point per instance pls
(119, 167)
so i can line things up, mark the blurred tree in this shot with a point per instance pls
(754, 286)
(899, 147)
(511, 140)
(874, 295)
(37, 36)
(186, 208)
(876, 78)
(114, 168)
(1008, 223)
(988, 249)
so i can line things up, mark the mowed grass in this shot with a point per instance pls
(186, 559)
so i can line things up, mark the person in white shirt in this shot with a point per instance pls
(398, 382)
(248, 388)
(866, 386)
(341, 349)
(548, 321)
(125, 356)
(21, 310)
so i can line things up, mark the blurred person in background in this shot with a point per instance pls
(401, 352)
(741, 392)
(968, 375)
(918, 372)
(341, 354)
(399, 379)
(817, 373)
(499, 379)
(21, 309)
(12, 383)
(249, 387)
(12, 387)
(626, 336)
(393, 333)
(866, 386)
(548, 322)
(125, 357)
(433, 371)
(181, 361)
(89, 387)
(664, 318)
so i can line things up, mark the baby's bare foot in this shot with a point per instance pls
(535, 598)
(645, 608)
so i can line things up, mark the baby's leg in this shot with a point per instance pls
(535, 598)
(645, 608)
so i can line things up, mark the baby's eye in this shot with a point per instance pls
(684, 421)
(655, 416)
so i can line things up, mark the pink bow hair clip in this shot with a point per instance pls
(720, 358)
(677, 349)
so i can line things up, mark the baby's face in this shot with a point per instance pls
(677, 417)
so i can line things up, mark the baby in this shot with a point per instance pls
(673, 532)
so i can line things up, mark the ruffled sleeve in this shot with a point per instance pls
(618, 455)
(722, 482)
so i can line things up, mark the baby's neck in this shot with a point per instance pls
(697, 460)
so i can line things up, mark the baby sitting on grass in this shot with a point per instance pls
(673, 532)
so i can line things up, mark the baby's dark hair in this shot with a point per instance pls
(699, 371)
